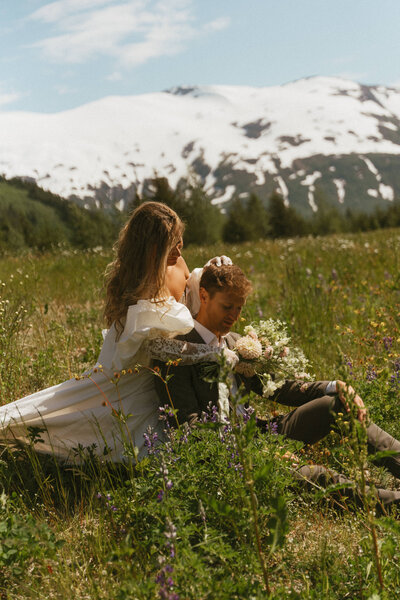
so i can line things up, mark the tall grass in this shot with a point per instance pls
(182, 522)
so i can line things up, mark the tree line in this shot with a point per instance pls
(251, 219)
(33, 217)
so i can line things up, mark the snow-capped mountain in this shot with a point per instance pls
(318, 133)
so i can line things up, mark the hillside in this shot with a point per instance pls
(316, 135)
(94, 531)
(32, 217)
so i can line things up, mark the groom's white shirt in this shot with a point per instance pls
(211, 339)
(208, 336)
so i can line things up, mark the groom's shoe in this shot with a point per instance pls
(380, 441)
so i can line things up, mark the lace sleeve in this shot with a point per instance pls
(165, 349)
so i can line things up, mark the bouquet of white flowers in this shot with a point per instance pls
(265, 351)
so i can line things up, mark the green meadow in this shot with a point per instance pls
(214, 515)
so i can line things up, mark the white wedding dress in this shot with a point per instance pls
(101, 412)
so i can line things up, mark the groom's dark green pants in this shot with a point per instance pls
(312, 421)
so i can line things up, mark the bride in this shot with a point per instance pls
(108, 410)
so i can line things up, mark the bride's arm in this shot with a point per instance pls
(188, 353)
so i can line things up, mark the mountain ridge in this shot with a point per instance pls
(319, 134)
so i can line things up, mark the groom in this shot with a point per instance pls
(223, 293)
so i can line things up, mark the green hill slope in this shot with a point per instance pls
(31, 217)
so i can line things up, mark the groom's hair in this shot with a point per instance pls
(225, 278)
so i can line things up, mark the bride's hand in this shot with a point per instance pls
(218, 261)
(231, 357)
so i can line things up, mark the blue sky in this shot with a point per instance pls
(58, 55)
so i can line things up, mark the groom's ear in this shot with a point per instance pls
(204, 296)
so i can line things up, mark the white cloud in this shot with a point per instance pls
(8, 97)
(130, 31)
(115, 76)
(64, 90)
(218, 24)
(54, 11)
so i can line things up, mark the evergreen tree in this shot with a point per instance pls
(257, 218)
(327, 218)
(284, 220)
(246, 221)
(203, 219)
(236, 228)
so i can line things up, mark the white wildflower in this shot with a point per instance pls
(269, 386)
(251, 332)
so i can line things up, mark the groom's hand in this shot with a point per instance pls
(347, 392)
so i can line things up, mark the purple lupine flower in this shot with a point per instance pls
(170, 534)
(150, 440)
(349, 364)
(184, 438)
(204, 417)
(214, 414)
(247, 413)
(387, 342)
(160, 496)
(395, 377)
(371, 374)
(166, 584)
(272, 427)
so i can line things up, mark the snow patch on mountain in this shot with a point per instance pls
(261, 135)
(386, 191)
(341, 189)
(283, 189)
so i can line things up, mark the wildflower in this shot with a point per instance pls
(247, 414)
(387, 342)
(160, 496)
(170, 534)
(284, 352)
(246, 369)
(166, 584)
(248, 347)
(272, 427)
(202, 512)
(150, 440)
(251, 332)
(268, 352)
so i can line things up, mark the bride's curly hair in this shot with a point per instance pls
(139, 269)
